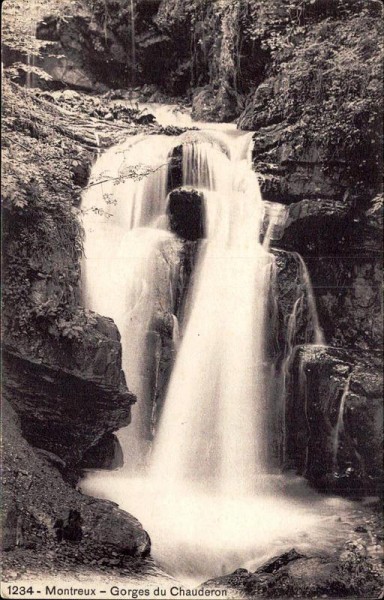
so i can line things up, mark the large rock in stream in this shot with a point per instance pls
(37, 505)
(186, 213)
(72, 394)
(334, 417)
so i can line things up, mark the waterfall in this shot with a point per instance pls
(275, 218)
(312, 310)
(212, 427)
(126, 277)
(203, 166)
(204, 489)
(300, 326)
(33, 10)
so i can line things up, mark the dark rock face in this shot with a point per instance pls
(348, 290)
(221, 104)
(72, 395)
(163, 334)
(342, 251)
(289, 289)
(81, 54)
(37, 503)
(175, 168)
(107, 45)
(186, 213)
(333, 419)
(105, 454)
(212, 48)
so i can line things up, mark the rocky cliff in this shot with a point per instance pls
(68, 400)
(316, 118)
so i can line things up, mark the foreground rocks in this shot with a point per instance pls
(37, 503)
(74, 394)
(294, 575)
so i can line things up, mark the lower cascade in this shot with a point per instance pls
(203, 461)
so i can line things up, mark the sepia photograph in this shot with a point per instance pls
(192, 340)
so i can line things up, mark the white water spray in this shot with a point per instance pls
(126, 277)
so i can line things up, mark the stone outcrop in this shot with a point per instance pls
(220, 103)
(82, 54)
(334, 418)
(186, 213)
(106, 45)
(342, 250)
(291, 318)
(348, 291)
(72, 394)
(163, 335)
(105, 454)
(315, 136)
(37, 502)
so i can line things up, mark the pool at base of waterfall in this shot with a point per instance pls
(197, 535)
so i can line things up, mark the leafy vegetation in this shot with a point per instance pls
(42, 236)
(324, 86)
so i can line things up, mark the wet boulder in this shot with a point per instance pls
(105, 454)
(334, 414)
(186, 213)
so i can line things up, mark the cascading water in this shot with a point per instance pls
(123, 277)
(34, 13)
(303, 312)
(318, 335)
(218, 373)
(206, 499)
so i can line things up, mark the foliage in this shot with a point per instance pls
(42, 239)
(275, 24)
(326, 88)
